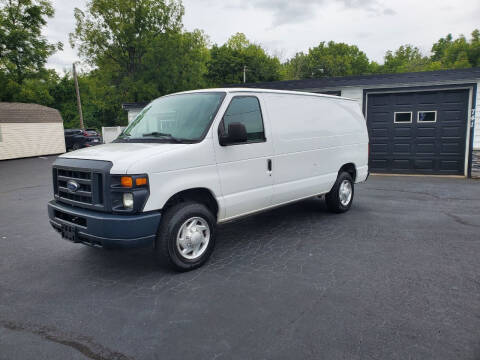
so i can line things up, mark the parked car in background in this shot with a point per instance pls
(195, 159)
(77, 138)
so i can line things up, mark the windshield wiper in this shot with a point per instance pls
(160, 134)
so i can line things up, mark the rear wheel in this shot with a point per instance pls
(340, 198)
(76, 146)
(186, 237)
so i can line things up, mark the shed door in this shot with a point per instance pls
(418, 132)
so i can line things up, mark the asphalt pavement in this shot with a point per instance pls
(397, 277)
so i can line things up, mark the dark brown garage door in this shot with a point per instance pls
(418, 132)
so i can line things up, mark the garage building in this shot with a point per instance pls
(30, 130)
(419, 123)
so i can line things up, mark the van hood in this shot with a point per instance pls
(123, 155)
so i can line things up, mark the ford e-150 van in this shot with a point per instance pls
(194, 159)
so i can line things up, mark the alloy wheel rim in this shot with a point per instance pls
(193, 238)
(345, 192)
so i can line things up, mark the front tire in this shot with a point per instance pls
(186, 236)
(340, 198)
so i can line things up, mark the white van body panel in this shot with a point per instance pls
(309, 137)
(313, 138)
(188, 168)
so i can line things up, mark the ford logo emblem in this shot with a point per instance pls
(72, 185)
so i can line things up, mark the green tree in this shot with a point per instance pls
(178, 61)
(296, 68)
(328, 59)
(116, 35)
(23, 48)
(337, 59)
(458, 53)
(407, 58)
(238, 42)
(227, 62)
(100, 102)
(439, 48)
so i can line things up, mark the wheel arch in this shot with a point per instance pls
(201, 195)
(349, 168)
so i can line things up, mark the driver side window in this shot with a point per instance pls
(245, 110)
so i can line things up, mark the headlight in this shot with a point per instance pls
(128, 193)
(128, 200)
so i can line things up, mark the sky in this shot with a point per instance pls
(285, 27)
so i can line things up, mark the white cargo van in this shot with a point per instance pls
(195, 159)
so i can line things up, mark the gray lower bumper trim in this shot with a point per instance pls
(102, 229)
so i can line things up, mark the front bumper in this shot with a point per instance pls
(103, 229)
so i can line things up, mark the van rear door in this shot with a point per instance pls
(245, 168)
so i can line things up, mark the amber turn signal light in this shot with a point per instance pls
(126, 181)
(141, 181)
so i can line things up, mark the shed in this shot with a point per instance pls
(418, 123)
(30, 130)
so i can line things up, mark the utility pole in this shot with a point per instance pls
(79, 103)
(244, 74)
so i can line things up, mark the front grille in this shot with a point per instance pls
(83, 178)
(76, 174)
(89, 192)
(91, 178)
(62, 193)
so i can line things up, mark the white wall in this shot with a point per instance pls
(353, 93)
(19, 140)
(111, 133)
(476, 131)
(132, 114)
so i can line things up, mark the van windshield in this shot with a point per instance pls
(183, 118)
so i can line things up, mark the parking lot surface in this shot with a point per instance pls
(397, 277)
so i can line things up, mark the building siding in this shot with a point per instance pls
(476, 132)
(476, 138)
(19, 140)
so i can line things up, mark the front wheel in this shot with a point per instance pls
(340, 198)
(186, 237)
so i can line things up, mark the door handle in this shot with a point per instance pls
(269, 165)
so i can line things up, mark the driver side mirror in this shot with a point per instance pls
(237, 133)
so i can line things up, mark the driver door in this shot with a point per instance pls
(245, 168)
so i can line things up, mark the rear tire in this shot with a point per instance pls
(340, 198)
(75, 146)
(186, 236)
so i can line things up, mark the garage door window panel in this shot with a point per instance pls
(427, 116)
(245, 110)
(402, 117)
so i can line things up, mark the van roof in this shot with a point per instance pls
(255, 90)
